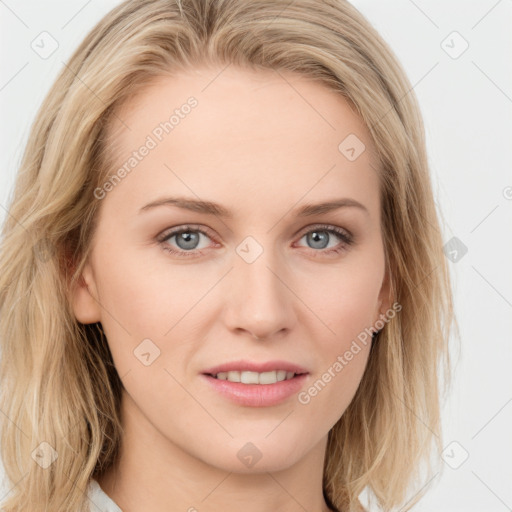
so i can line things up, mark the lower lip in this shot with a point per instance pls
(257, 395)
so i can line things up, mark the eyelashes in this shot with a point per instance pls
(344, 237)
(188, 229)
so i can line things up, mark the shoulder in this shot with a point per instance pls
(100, 501)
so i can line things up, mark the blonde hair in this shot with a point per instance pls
(58, 382)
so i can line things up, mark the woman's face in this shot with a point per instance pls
(230, 159)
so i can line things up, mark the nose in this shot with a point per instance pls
(258, 298)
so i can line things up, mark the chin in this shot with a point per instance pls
(256, 454)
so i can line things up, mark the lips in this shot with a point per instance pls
(260, 384)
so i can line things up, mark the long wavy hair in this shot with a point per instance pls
(60, 392)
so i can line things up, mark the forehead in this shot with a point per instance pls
(238, 130)
(245, 104)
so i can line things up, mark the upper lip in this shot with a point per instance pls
(253, 366)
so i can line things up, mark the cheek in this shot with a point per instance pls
(348, 307)
(147, 299)
(332, 388)
(348, 303)
(152, 308)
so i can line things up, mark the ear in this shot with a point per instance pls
(84, 298)
(385, 295)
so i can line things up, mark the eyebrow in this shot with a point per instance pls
(211, 208)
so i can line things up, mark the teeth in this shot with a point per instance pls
(249, 378)
(255, 377)
(233, 376)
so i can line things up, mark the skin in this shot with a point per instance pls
(262, 144)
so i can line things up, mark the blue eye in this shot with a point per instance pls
(187, 240)
(320, 237)
(188, 237)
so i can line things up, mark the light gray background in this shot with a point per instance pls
(466, 101)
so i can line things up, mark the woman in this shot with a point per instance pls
(222, 273)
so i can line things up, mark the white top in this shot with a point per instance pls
(100, 502)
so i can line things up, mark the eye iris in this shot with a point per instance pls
(321, 236)
(191, 239)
